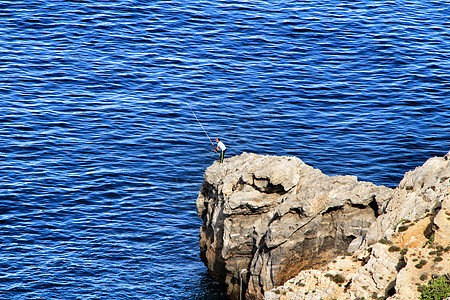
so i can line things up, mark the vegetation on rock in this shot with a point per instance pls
(337, 278)
(437, 289)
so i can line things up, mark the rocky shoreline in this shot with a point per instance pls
(276, 228)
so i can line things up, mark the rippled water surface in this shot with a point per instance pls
(101, 158)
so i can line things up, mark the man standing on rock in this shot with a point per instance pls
(222, 148)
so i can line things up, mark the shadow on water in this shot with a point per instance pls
(208, 289)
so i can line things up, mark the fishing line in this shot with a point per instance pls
(200, 123)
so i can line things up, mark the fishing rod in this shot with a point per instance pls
(200, 124)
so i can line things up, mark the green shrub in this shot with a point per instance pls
(299, 283)
(404, 251)
(402, 221)
(384, 241)
(421, 263)
(338, 278)
(437, 289)
(419, 266)
(394, 249)
(438, 259)
(423, 277)
(430, 240)
(421, 288)
(403, 228)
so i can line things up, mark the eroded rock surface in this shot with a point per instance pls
(275, 216)
(421, 191)
(393, 270)
(405, 247)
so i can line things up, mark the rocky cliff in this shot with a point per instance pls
(269, 219)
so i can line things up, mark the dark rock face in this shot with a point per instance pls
(268, 217)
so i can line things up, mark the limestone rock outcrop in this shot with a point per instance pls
(420, 191)
(277, 228)
(368, 274)
(408, 245)
(393, 270)
(266, 218)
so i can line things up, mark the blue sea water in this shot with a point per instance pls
(101, 158)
